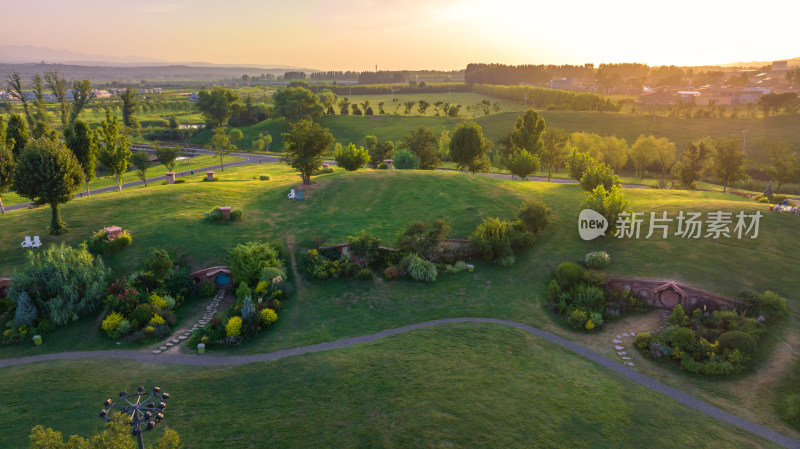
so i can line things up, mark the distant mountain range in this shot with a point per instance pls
(28, 54)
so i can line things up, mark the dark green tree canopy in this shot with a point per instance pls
(130, 104)
(423, 144)
(528, 131)
(351, 158)
(297, 103)
(18, 131)
(80, 139)
(305, 145)
(468, 146)
(216, 105)
(48, 172)
(6, 170)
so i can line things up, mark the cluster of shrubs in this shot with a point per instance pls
(216, 215)
(256, 264)
(770, 199)
(364, 254)
(57, 287)
(714, 343)
(142, 305)
(578, 296)
(100, 244)
(421, 251)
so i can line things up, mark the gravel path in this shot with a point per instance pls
(633, 375)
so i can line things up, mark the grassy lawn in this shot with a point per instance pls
(382, 202)
(452, 386)
(156, 169)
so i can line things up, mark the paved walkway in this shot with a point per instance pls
(227, 360)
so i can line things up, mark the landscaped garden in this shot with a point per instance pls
(385, 204)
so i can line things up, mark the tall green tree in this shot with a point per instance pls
(116, 150)
(727, 161)
(527, 133)
(220, 144)
(82, 141)
(608, 203)
(216, 105)
(616, 152)
(297, 103)
(522, 164)
(141, 161)
(692, 163)
(15, 86)
(6, 165)
(577, 163)
(596, 174)
(167, 155)
(305, 145)
(423, 143)
(58, 85)
(42, 127)
(16, 134)
(351, 158)
(80, 98)
(642, 152)
(468, 147)
(783, 163)
(664, 156)
(47, 172)
(130, 104)
(555, 148)
(383, 150)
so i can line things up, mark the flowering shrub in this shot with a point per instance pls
(268, 316)
(233, 327)
(322, 267)
(708, 343)
(111, 322)
(597, 260)
(157, 320)
(157, 301)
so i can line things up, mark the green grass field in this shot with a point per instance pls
(383, 202)
(450, 386)
(156, 169)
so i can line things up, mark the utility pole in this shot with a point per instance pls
(744, 140)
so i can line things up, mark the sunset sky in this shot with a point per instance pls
(411, 34)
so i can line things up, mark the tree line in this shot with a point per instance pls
(549, 98)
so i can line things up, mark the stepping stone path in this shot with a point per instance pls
(618, 340)
(183, 334)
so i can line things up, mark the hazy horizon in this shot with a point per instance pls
(414, 34)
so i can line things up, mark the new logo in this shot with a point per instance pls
(591, 224)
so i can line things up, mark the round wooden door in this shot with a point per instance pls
(670, 298)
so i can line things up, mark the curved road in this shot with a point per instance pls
(632, 375)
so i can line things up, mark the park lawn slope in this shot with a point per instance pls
(464, 385)
(383, 202)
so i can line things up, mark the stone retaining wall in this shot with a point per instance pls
(667, 294)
